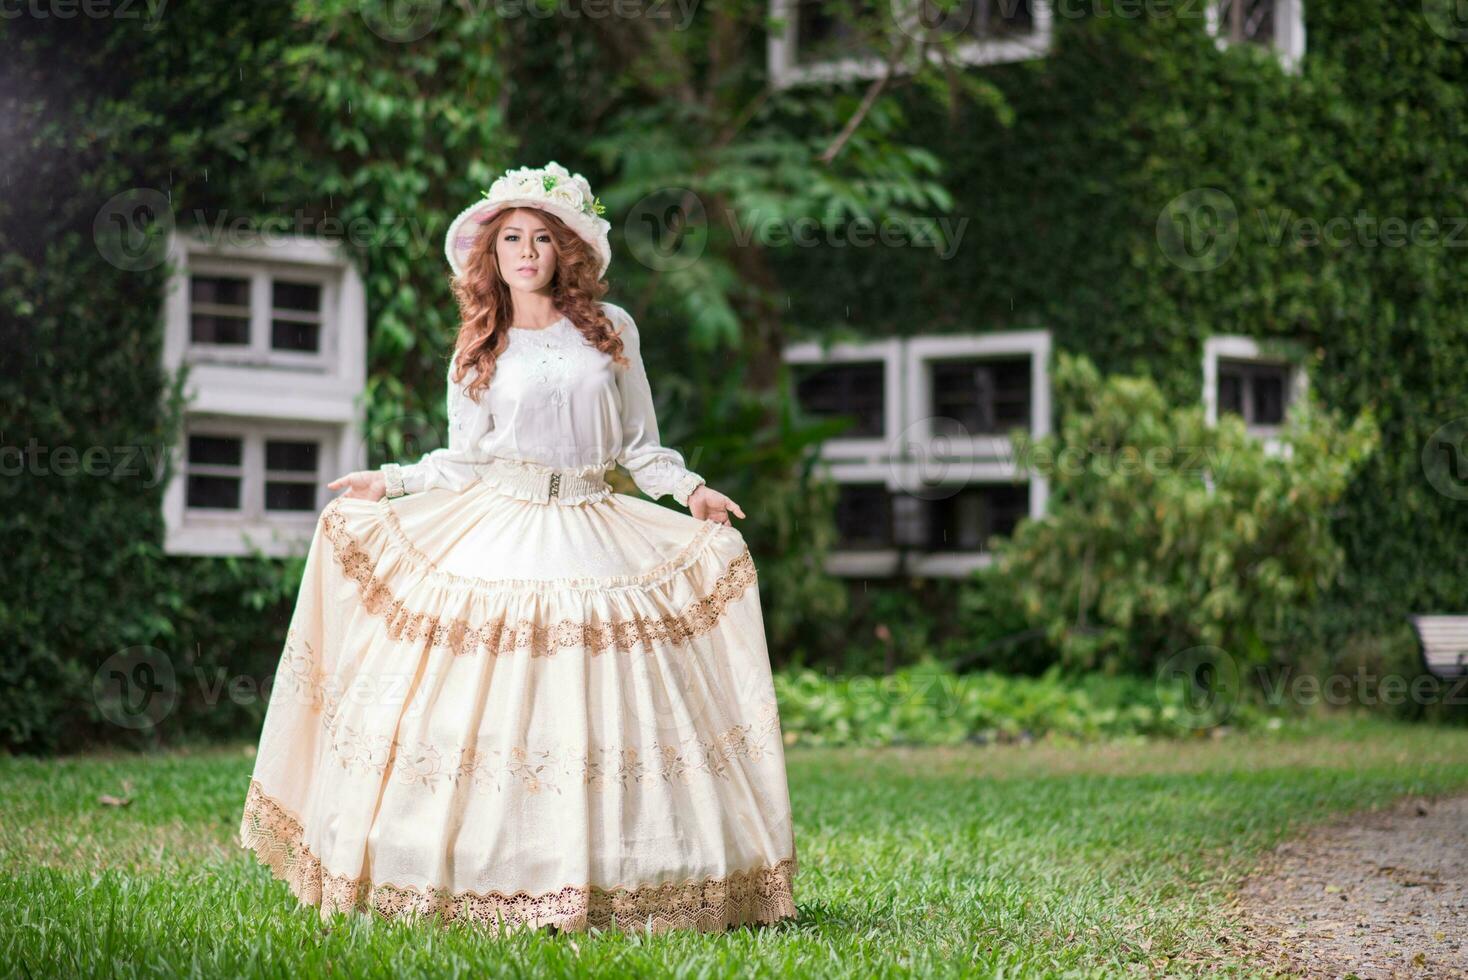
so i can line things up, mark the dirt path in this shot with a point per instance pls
(1381, 894)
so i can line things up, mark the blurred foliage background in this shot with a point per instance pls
(1057, 169)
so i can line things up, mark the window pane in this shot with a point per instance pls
(979, 19)
(215, 450)
(863, 516)
(1269, 398)
(285, 335)
(986, 396)
(1008, 505)
(219, 290)
(217, 492)
(284, 495)
(855, 389)
(966, 520)
(1010, 17)
(822, 34)
(1230, 391)
(296, 296)
(1247, 20)
(209, 328)
(1257, 391)
(283, 454)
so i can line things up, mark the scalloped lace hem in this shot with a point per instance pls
(761, 895)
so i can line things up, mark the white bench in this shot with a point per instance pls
(1444, 642)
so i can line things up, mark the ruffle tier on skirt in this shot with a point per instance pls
(526, 713)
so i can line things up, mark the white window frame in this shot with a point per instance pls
(1289, 31)
(858, 562)
(219, 531)
(899, 461)
(1233, 347)
(985, 457)
(889, 353)
(261, 276)
(947, 564)
(232, 391)
(782, 50)
(210, 531)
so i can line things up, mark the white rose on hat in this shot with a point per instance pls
(551, 188)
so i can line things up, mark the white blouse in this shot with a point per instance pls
(556, 400)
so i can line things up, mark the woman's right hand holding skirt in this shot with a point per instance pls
(364, 484)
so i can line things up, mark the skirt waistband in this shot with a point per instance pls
(545, 484)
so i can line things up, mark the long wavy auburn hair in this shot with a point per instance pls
(484, 299)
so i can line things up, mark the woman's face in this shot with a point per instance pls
(526, 256)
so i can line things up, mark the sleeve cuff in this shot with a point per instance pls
(392, 473)
(685, 486)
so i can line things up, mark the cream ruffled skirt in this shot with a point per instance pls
(526, 713)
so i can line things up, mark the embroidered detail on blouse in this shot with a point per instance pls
(762, 894)
(546, 356)
(556, 391)
(498, 636)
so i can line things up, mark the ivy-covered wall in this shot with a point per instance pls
(273, 118)
(303, 112)
(324, 118)
(1129, 112)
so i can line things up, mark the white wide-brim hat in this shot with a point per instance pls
(553, 188)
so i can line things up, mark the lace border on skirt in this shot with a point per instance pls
(498, 635)
(759, 895)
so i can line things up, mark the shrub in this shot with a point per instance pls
(1165, 533)
(928, 704)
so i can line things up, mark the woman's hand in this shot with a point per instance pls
(707, 504)
(364, 484)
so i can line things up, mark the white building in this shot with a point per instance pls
(274, 334)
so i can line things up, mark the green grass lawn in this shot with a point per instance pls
(1038, 860)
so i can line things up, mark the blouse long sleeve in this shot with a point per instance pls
(655, 468)
(452, 467)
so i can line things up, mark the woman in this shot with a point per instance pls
(509, 694)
